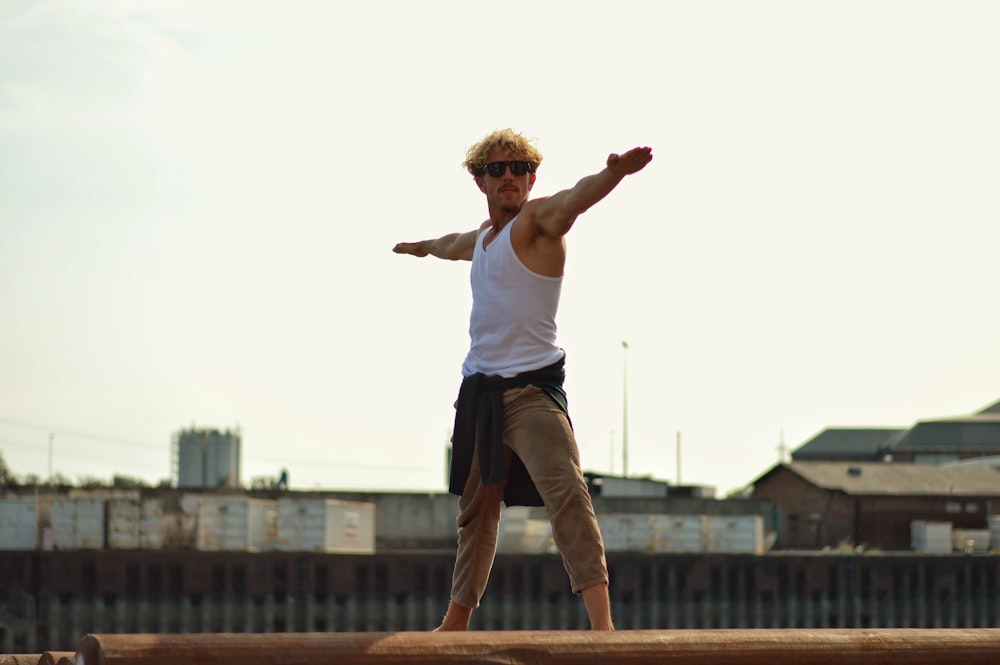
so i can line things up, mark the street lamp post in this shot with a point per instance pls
(624, 409)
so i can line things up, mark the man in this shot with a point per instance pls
(513, 440)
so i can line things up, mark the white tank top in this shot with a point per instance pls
(513, 322)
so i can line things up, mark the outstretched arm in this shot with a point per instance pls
(557, 213)
(453, 247)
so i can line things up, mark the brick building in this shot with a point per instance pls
(825, 504)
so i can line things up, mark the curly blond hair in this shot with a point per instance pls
(505, 139)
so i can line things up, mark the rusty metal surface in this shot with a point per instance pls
(20, 658)
(641, 647)
(56, 658)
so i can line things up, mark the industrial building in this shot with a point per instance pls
(206, 458)
(830, 504)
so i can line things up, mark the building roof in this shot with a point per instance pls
(879, 478)
(852, 442)
(993, 409)
(979, 432)
(975, 433)
(989, 460)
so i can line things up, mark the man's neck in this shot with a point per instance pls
(499, 218)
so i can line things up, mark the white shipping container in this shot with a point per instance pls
(625, 533)
(930, 536)
(521, 534)
(513, 523)
(152, 526)
(123, 509)
(63, 532)
(970, 540)
(677, 533)
(18, 524)
(77, 524)
(734, 534)
(325, 525)
(538, 537)
(123, 540)
(177, 531)
(993, 525)
(235, 524)
(123, 524)
(151, 508)
(89, 533)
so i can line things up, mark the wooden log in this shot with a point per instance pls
(638, 647)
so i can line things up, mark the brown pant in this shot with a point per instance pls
(538, 431)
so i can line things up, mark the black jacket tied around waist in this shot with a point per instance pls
(479, 428)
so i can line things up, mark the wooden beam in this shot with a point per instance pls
(907, 646)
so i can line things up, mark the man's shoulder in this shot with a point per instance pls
(531, 206)
(527, 215)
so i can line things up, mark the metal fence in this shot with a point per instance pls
(49, 600)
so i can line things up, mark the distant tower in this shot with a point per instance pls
(208, 457)
(782, 448)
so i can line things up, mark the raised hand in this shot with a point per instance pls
(630, 162)
(414, 248)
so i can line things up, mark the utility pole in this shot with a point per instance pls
(611, 454)
(678, 457)
(624, 409)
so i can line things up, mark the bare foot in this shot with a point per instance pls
(445, 628)
(456, 619)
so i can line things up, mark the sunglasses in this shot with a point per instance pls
(517, 168)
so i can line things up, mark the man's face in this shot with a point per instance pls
(506, 192)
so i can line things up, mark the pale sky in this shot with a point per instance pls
(198, 202)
